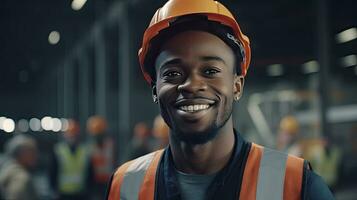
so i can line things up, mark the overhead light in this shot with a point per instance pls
(275, 70)
(23, 125)
(47, 123)
(8, 125)
(78, 4)
(310, 67)
(2, 119)
(348, 61)
(35, 124)
(54, 37)
(57, 124)
(347, 35)
(65, 124)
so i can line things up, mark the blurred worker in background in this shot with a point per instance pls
(70, 173)
(195, 58)
(140, 143)
(16, 181)
(288, 136)
(324, 157)
(102, 155)
(160, 131)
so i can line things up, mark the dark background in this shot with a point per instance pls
(94, 68)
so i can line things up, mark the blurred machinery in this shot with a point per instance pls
(267, 108)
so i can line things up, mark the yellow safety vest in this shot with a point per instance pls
(268, 174)
(72, 168)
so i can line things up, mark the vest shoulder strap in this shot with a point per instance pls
(293, 178)
(250, 176)
(270, 174)
(136, 179)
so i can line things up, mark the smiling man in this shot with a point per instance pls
(195, 57)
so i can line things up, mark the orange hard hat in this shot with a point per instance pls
(73, 128)
(96, 125)
(289, 125)
(141, 130)
(213, 10)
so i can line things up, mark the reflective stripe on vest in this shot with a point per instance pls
(270, 174)
(136, 179)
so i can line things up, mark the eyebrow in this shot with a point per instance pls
(212, 58)
(174, 61)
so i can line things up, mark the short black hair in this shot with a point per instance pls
(191, 23)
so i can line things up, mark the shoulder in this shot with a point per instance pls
(14, 173)
(272, 167)
(129, 176)
(315, 187)
(137, 165)
(312, 185)
(267, 155)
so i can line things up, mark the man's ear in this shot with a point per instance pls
(238, 85)
(154, 93)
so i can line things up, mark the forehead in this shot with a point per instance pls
(191, 45)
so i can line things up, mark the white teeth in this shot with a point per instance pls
(194, 108)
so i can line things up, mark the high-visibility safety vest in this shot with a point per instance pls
(268, 175)
(72, 168)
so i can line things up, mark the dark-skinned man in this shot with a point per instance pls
(195, 57)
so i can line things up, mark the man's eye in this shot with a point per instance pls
(172, 74)
(211, 71)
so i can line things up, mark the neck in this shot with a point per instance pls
(207, 158)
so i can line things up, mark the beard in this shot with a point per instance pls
(197, 137)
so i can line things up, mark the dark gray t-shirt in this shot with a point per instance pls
(193, 186)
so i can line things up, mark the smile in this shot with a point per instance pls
(194, 108)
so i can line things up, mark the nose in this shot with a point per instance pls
(192, 84)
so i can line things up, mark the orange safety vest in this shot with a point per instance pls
(102, 161)
(268, 174)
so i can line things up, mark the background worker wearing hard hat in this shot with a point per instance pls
(70, 172)
(140, 143)
(101, 155)
(160, 131)
(195, 57)
(324, 159)
(287, 140)
(16, 180)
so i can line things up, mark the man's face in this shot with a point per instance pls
(196, 85)
(29, 157)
